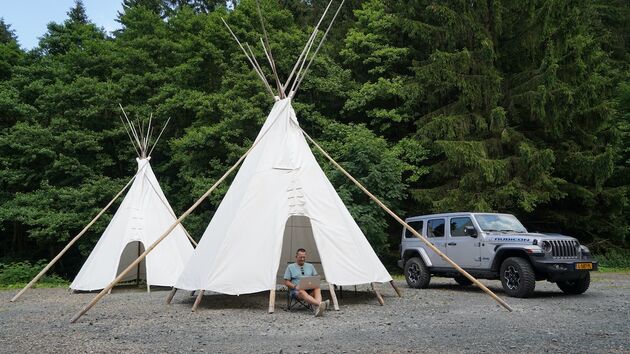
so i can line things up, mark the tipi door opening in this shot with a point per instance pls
(129, 254)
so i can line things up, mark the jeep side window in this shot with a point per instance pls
(458, 226)
(417, 225)
(435, 228)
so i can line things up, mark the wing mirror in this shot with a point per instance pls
(471, 231)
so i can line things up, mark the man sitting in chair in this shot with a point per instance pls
(292, 276)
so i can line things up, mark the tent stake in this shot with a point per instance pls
(171, 295)
(171, 228)
(272, 300)
(333, 295)
(75, 239)
(411, 229)
(198, 300)
(378, 295)
(398, 292)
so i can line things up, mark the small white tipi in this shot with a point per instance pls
(240, 250)
(142, 216)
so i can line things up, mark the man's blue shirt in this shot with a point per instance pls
(294, 272)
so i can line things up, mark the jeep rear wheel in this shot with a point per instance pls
(462, 280)
(416, 273)
(575, 287)
(517, 277)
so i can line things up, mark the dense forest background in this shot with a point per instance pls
(512, 106)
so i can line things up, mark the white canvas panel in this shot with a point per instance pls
(143, 216)
(240, 250)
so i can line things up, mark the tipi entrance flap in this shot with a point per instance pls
(129, 254)
(298, 234)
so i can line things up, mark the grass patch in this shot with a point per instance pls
(605, 269)
(44, 285)
(398, 276)
(16, 275)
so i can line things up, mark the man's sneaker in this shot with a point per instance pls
(327, 302)
(320, 309)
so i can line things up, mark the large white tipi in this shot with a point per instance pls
(240, 250)
(142, 216)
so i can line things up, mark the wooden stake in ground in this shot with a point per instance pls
(75, 239)
(198, 300)
(378, 295)
(411, 229)
(272, 300)
(331, 288)
(395, 288)
(170, 295)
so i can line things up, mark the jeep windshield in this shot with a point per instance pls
(499, 223)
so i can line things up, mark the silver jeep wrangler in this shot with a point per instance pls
(494, 246)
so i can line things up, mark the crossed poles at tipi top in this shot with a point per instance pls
(293, 83)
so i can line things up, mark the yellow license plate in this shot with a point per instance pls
(584, 266)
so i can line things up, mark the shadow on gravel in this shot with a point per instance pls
(538, 294)
(261, 300)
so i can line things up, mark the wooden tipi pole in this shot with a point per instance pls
(197, 300)
(171, 212)
(75, 239)
(411, 229)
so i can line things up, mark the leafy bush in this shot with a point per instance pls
(13, 275)
(610, 255)
(616, 258)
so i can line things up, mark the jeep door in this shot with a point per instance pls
(436, 235)
(461, 247)
(409, 241)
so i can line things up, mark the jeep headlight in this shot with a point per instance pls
(546, 246)
(584, 250)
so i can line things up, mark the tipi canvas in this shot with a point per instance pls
(240, 250)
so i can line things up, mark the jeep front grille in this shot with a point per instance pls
(564, 249)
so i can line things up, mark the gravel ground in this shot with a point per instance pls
(443, 318)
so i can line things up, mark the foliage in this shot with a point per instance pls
(518, 107)
(17, 274)
(610, 255)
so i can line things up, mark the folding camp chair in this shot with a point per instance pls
(293, 302)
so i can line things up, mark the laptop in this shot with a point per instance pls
(309, 282)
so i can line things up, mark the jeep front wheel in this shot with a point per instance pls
(517, 277)
(575, 287)
(416, 273)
